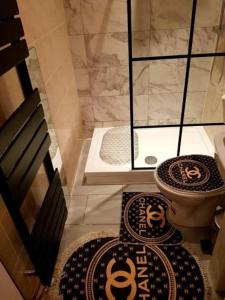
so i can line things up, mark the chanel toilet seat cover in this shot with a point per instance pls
(194, 173)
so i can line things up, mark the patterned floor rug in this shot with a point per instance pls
(143, 220)
(105, 268)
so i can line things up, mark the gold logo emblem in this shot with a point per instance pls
(129, 279)
(156, 216)
(194, 172)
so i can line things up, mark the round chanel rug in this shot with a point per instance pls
(104, 268)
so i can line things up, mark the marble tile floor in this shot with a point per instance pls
(97, 208)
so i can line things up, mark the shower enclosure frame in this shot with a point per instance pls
(188, 56)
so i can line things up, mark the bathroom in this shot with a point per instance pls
(80, 59)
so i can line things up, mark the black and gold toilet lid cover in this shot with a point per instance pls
(194, 173)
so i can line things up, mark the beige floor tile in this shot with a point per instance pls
(74, 232)
(76, 210)
(97, 189)
(103, 209)
(141, 188)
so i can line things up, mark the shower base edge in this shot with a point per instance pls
(126, 177)
(97, 171)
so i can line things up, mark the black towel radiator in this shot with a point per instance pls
(24, 146)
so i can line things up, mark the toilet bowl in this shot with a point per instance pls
(195, 186)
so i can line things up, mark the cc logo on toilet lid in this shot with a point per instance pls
(196, 173)
(189, 172)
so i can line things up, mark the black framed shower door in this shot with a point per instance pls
(188, 56)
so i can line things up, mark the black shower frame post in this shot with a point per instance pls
(187, 56)
(130, 55)
(188, 64)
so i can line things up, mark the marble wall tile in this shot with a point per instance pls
(204, 40)
(140, 43)
(140, 15)
(88, 128)
(87, 110)
(164, 122)
(108, 81)
(194, 106)
(160, 27)
(168, 42)
(175, 41)
(103, 16)
(207, 13)
(78, 51)
(140, 79)
(107, 49)
(170, 14)
(115, 123)
(115, 81)
(217, 77)
(73, 16)
(140, 107)
(199, 75)
(83, 82)
(141, 122)
(116, 108)
(214, 105)
(220, 47)
(165, 107)
(166, 77)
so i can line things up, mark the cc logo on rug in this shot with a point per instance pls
(129, 279)
(156, 216)
(194, 172)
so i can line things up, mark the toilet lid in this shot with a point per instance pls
(196, 173)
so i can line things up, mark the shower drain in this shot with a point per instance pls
(150, 160)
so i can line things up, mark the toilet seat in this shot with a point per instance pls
(191, 174)
(195, 187)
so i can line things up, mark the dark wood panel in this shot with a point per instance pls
(17, 120)
(11, 30)
(35, 164)
(8, 8)
(13, 55)
(17, 148)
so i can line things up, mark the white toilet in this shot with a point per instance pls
(195, 186)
